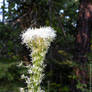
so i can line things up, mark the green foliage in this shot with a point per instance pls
(9, 59)
(81, 86)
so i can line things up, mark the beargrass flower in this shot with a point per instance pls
(38, 40)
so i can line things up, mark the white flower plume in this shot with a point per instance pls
(38, 40)
(43, 32)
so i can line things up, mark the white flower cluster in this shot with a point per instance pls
(43, 32)
(38, 40)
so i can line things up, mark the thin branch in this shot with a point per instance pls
(61, 25)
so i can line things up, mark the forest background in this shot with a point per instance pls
(68, 59)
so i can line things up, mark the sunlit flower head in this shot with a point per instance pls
(42, 32)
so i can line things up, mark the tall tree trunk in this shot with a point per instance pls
(83, 31)
(82, 43)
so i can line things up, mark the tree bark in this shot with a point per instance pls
(83, 31)
(82, 42)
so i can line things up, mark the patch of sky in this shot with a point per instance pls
(61, 11)
(16, 6)
(6, 8)
(1, 4)
(74, 24)
(67, 17)
(77, 10)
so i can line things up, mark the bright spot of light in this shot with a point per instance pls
(77, 10)
(76, 0)
(61, 11)
(67, 17)
(74, 24)
(0, 18)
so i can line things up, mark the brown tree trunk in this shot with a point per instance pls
(82, 43)
(83, 31)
